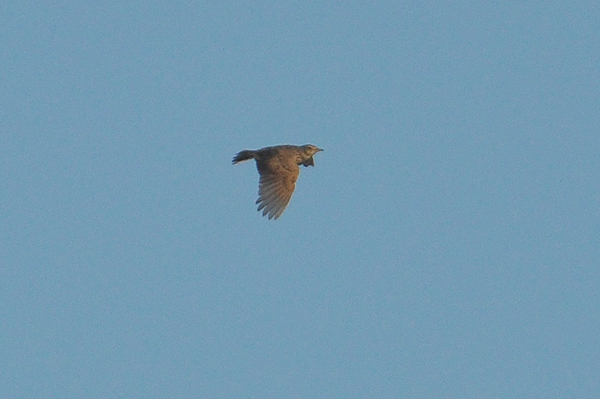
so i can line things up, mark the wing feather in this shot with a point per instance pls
(276, 186)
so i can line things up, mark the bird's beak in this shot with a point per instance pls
(320, 149)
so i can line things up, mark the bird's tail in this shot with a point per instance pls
(243, 156)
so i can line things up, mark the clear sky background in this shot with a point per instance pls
(445, 245)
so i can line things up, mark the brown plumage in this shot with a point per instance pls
(278, 169)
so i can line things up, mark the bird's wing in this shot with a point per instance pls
(277, 183)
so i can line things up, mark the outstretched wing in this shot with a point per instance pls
(278, 177)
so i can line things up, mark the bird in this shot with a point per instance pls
(278, 167)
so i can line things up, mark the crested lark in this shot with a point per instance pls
(278, 169)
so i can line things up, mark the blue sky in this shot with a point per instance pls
(445, 245)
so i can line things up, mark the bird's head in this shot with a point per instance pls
(310, 149)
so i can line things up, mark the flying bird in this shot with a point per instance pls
(278, 167)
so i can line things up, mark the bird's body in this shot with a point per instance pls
(278, 167)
